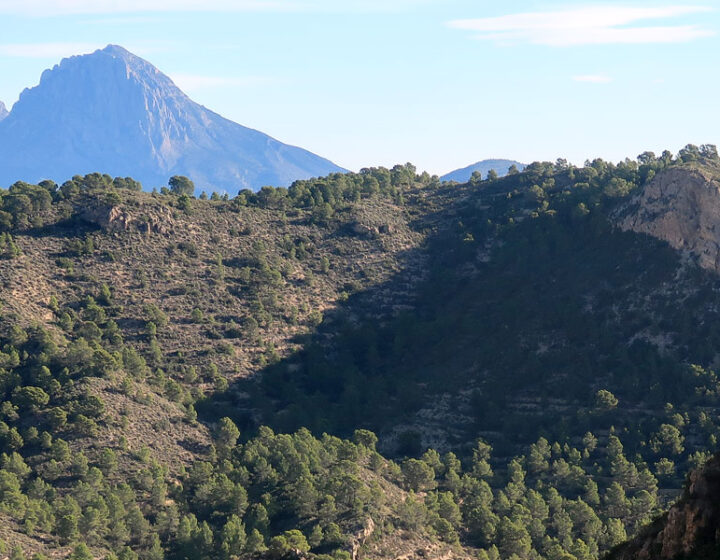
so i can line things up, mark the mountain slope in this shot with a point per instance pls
(531, 295)
(500, 166)
(146, 338)
(3, 111)
(113, 112)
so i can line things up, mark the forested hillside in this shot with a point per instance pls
(370, 365)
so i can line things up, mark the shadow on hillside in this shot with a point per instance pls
(343, 376)
(325, 386)
(67, 228)
(511, 349)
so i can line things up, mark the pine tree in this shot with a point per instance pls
(81, 552)
(232, 538)
(255, 542)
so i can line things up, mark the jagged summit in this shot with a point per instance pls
(120, 51)
(3, 111)
(114, 112)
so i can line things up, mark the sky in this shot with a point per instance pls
(439, 83)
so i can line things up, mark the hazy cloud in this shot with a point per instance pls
(593, 25)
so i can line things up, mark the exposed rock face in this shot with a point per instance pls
(115, 113)
(691, 529)
(681, 207)
(362, 536)
(3, 111)
(117, 219)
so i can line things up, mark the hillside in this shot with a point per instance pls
(178, 373)
(3, 111)
(113, 112)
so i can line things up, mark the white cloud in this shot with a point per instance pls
(39, 8)
(194, 82)
(593, 25)
(593, 79)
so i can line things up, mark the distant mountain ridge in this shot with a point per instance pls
(3, 111)
(113, 112)
(500, 166)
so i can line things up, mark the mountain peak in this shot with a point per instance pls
(500, 166)
(117, 49)
(121, 53)
(97, 65)
(3, 111)
(126, 118)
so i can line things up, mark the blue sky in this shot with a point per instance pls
(440, 83)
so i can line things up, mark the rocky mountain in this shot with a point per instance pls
(3, 111)
(690, 530)
(500, 166)
(681, 208)
(113, 112)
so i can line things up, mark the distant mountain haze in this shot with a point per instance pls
(113, 112)
(500, 166)
(3, 111)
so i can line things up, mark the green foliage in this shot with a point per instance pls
(605, 400)
(156, 316)
(529, 291)
(181, 185)
(81, 552)
(8, 247)
(419, 476)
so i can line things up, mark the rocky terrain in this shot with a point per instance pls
(681, 208)
(113, 112)
(178, 373)
(690, 530)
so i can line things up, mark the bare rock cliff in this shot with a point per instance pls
(691, 529)
(116, 219)
(682, 207)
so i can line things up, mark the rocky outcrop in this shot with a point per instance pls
(362, 536)
(114, 218)
(3, 111)
(372, 222)
(691, 529)
(680, 206)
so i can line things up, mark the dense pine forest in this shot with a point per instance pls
(366, 365)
